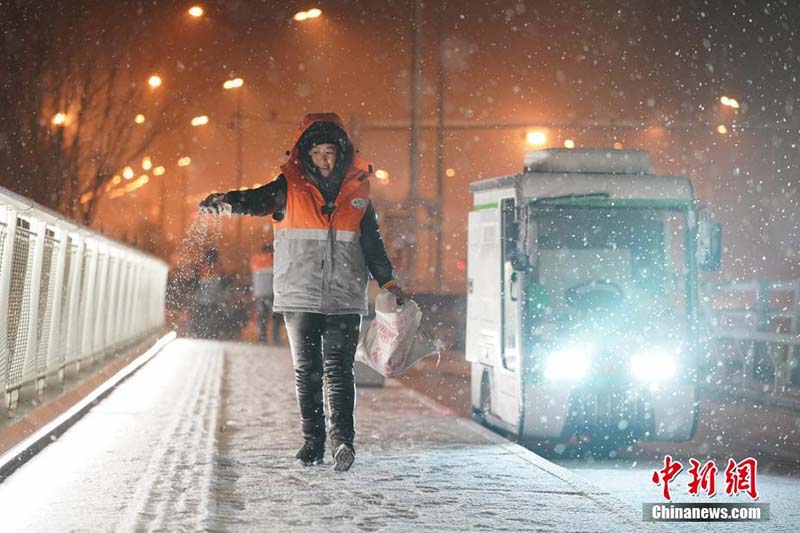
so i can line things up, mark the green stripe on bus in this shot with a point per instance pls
(481, 207)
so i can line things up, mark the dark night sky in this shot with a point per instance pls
(654, 62)
(639, 60)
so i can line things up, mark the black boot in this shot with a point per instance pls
(343, 457)
(311, 454)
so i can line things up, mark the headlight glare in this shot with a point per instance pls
(654, 366)
(570, 363)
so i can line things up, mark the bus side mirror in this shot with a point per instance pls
(709, 241)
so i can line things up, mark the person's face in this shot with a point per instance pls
(324, 158)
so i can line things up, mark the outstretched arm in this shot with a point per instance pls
(259, 202)
(262, 201)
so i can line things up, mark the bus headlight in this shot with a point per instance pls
(653, 366)
(570, 363)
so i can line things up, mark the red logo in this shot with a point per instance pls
(739, 477)
(667, 474)
(703, 478)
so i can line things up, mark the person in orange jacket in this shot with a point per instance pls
(262, 270)
(327, 243)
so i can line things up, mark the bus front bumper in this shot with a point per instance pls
(559, 411)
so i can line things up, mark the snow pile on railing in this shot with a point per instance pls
(68, 295)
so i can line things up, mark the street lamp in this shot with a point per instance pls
(154, 81)
(201, 120)
(729, 102)
(233, 84)
(306, 15)
(196, 11)
(59, 119)
(127, 173)
(536, 138)
(569, 143)
(139, 119)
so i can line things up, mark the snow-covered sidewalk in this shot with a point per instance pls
(146, 458)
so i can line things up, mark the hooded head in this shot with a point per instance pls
(324, 128)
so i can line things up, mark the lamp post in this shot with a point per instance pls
(413, 142)
(183, 164)
(237, 83)
(438, 219)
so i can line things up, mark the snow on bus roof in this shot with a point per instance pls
(585, 177)
(589, 161)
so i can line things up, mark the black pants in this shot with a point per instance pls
(324, 345)
(263, 315)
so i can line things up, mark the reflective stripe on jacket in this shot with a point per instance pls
(319, 263)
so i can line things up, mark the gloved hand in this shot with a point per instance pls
(215, 204)
(397, 290)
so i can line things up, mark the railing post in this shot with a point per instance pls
(74, 313)
(133, 306)
(9, 218)
(100, 305)
(31, 345)
(110, 332)
(87, 331)
(119, 325)
(58, 320)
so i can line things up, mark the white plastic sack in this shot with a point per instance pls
(392, 342)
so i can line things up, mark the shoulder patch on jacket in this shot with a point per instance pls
(359, 203)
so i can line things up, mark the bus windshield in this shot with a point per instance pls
(621, 261)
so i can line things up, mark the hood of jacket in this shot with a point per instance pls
(318, 128)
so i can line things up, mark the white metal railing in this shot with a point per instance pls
(68, 295)
(756, 329)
